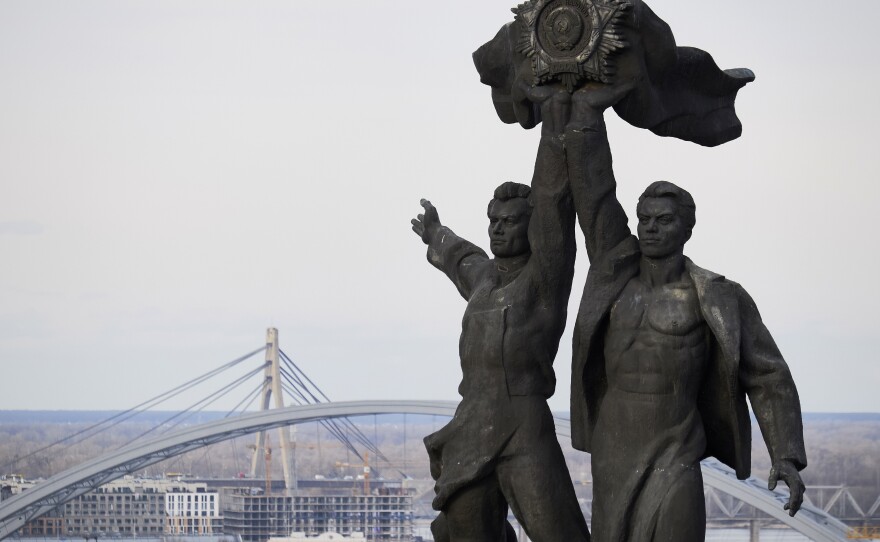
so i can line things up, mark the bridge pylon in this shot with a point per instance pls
(272, 386)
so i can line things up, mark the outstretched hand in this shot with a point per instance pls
(788, 473)
(427, 223)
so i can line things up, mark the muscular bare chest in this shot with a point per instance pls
(657, 339)
(670, 310)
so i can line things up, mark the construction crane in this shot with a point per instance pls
(366, 467)
(267, 456)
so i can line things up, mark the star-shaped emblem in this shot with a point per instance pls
(571, 41)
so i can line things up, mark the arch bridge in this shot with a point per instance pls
(63, 487)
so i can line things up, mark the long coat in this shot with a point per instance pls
(745, 361)
(744, 357)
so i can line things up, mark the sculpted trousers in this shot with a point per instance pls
(529, 476)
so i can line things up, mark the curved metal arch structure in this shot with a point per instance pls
(63, 487)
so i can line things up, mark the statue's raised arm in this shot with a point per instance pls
(458, 258)
(574, 123)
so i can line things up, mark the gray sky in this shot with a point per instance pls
(179, 175)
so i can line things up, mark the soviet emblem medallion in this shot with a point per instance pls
(571, 41)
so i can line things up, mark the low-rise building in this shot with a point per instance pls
(385, 514)
(131, 507)
(192, 512)
(302, 537)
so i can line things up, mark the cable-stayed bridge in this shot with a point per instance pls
(282, 376)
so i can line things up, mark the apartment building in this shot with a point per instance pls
(385, 514)
(131, 507)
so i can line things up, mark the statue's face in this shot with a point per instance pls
(509, 227)
(661, 230)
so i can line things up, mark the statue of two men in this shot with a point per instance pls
(665, 352)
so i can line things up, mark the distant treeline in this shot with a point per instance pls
(159, 416)
(842, 449)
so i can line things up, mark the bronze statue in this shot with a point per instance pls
(500, 449)
(664, 352)
(664, 355)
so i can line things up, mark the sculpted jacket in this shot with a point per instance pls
(511, 328)
(515, 323)
(744, 358)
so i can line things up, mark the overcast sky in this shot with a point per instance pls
(177, 176)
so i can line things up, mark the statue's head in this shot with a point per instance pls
(509, 213)
(667, 215)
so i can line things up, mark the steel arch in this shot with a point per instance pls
(65, 486)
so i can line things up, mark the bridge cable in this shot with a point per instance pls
(126, 414)
(249, 399)
(348, 426)
(209, 400)
(300, 371)
(205, 401)
(238, 409)
(331, 425)
(359, 435)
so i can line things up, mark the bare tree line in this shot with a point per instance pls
(840, 452)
